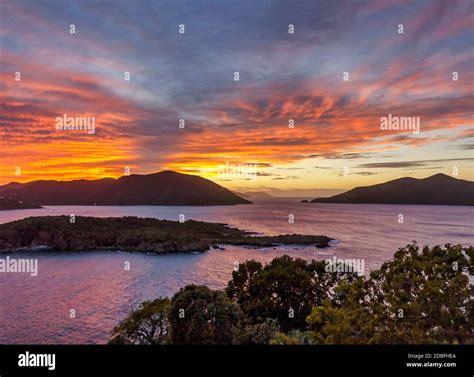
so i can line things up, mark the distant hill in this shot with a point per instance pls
(164, 188)
(306, 194)
(8, 204)
(438, 189)
(255, 195)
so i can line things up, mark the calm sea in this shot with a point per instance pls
(100, 290)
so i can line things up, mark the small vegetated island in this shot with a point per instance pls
(135, 234)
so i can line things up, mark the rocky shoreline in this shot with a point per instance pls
(133, 234)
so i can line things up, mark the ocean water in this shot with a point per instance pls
(36, 309)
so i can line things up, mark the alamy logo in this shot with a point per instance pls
(245, 171)
(19, 265)
(76, 123)
(37, 360)
(390, 123)
(345, 265)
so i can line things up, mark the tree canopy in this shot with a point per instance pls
(200, 315)
(148, 324)
(422, 296)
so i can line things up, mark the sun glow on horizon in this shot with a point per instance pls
(292, 117)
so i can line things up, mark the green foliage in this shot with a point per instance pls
(200, 315)
(285, 289)
(294, 337)
(133, 234)
(422, 296)
(147, 325)
(260, 333)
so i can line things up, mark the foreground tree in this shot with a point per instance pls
(422, 296)
(200, 315)
(147, 325)
(285, 289)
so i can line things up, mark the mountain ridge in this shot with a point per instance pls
(162, 188)
(438, 189)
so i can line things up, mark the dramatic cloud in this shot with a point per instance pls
(284, 79)
(410, 164)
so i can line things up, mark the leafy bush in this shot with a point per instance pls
(148, 324)
(200, 315)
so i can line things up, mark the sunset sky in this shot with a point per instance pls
(282, 76)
